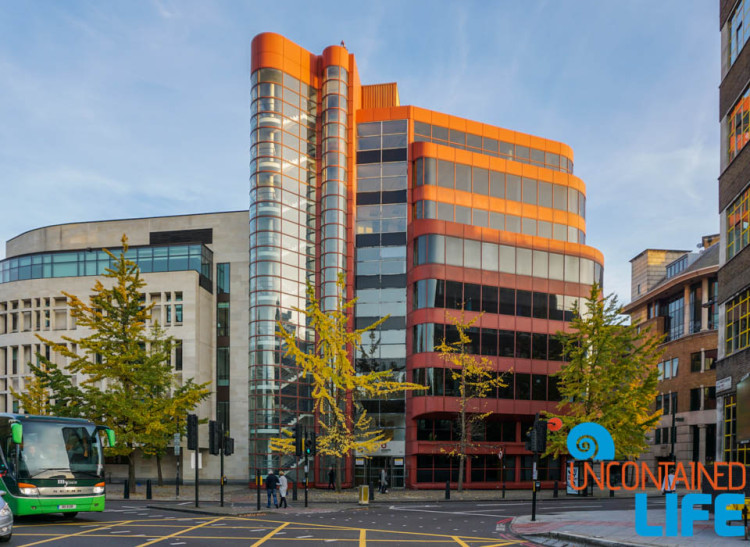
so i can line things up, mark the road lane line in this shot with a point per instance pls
(86, 531)
(458, 540)
(157, 540)
(362, 540)
(270, 534)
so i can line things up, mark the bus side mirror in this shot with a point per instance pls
(110, 437)
(16, 432)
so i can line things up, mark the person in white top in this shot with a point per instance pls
(283, 487)
(668, 486)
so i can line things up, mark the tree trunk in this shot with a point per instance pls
(461, 463)
(462, 417)
(131, 472)
(160, 479)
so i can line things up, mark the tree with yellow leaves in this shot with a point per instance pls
(475, 379)
(336, 384)
(128, 383)
(36, 399)
(610, 377)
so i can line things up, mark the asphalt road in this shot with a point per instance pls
(129, 523)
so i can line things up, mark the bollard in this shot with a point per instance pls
(447, 490)
(555, 491)
(148, 489)
(126, 490)
(611, 493)
(372, 491)
(294, 491)
(503, 489)
(257, 486)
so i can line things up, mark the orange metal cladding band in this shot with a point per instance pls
(270, 50)
(492, 132)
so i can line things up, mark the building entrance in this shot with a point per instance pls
(367, 471)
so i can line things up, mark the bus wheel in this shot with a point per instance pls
(70, 516)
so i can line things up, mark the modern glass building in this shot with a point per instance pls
(425, 214)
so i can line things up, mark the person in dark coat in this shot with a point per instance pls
(332, 479)
(272, 481)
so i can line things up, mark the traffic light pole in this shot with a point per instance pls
(305, 478)
(197, 460)
(533, 488)
(221, 488)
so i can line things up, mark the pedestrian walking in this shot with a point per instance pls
(332, 479)
(383, 481)
(272, 481)
(283, 487)
(668, 486)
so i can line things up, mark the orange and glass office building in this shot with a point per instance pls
(424, 213)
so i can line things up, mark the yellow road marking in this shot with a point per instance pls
(269, 535)
(459, 541)
(76, 534)
(240, 538)
(333, 527)
(180, 532)
(505, 543)
(87, 523)
(362, 542)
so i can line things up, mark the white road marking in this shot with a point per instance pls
(303, 537)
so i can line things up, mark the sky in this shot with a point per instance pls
(141, 108)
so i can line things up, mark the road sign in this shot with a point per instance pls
(192, 461)
(176, 441)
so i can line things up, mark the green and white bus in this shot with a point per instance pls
(52, 465)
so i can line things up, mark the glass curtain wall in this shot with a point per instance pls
(381, 271)
(282, 254)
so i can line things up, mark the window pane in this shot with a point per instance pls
(445, 174)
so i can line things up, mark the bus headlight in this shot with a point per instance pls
(28, 489)
(99, 488)
(5, 511)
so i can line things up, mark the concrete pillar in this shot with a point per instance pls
(686, 310)
(704, 300)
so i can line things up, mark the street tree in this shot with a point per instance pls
(609, 376)
(337, 385)
(127, 379)
(475, 379)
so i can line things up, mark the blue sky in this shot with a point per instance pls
(131, 109)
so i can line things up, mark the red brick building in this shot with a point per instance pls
(674, 294)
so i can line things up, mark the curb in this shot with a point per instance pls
(581, 540)
(207, 511)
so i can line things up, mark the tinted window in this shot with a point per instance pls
(489, 299)
(523, 303)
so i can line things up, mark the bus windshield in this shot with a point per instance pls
(59, 450)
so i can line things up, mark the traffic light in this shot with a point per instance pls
(308, 445)
(531, 440)
(313, 442)
(297, 441)
(214, 437)
(192, 432)
(228, 446)
(536, 437)
(540, 426)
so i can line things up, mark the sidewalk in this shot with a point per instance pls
(235, 493)
(609, 528)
